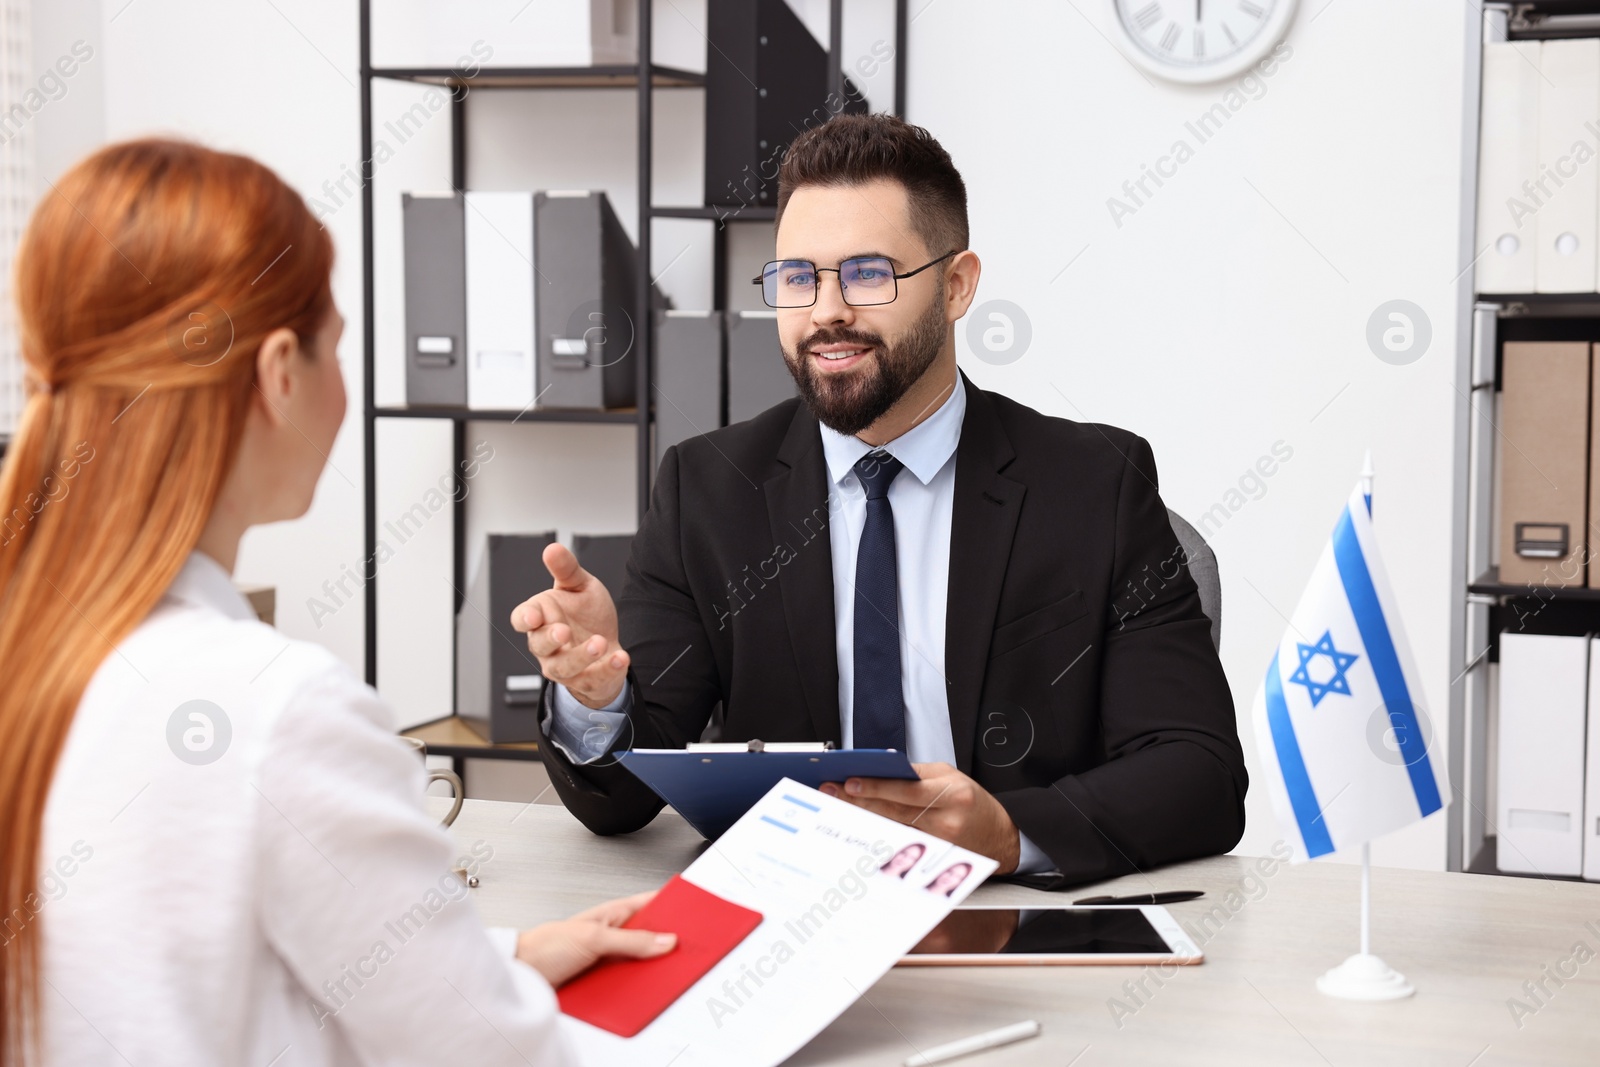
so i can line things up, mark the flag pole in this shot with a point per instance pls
(1365, 976)
(1366, 898)
(1366, 846)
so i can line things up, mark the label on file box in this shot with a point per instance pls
(1557, 822)
(569, 347)
(1541, 540)
(503, 361)
(524, 689)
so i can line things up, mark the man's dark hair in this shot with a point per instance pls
(856, 149)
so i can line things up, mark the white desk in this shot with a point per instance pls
(1468, 942)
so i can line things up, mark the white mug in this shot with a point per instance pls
(457, 790)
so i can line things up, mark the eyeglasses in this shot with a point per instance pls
(863, 280)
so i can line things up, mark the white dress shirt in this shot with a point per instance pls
(289, 902)
(921, 497)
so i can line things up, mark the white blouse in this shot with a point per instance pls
(237, 868)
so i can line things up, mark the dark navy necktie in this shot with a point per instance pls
(878, 711)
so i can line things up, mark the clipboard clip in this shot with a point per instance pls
(758, 745)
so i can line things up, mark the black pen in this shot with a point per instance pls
(1171, 897)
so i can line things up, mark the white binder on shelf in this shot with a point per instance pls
(1591, 773)
(1569, 112)
(500, 301)
(1544, 687)
(1508, 155)
(504, 33)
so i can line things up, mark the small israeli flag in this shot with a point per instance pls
(1339, 718)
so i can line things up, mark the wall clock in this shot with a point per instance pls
(1196, 41)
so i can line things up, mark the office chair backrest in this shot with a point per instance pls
(1203, 569)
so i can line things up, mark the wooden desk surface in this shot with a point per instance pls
(1468, 943)
(451, 736)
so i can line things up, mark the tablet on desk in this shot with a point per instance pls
(985, 935)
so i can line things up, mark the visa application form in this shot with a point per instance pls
(843, 894)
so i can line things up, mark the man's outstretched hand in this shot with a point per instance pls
(572, 631)
(945, 803)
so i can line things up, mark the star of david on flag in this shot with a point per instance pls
(1339, 718)
(1341, 661)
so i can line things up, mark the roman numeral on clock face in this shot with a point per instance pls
(1198, 42)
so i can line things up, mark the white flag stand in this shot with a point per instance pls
(1365, 976)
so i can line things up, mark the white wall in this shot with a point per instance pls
(275, 81)
(1226, 314)
(53, 97)
(1229, 312)
(73, 124)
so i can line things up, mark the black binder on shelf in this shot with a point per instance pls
(606, 557)
(766, 81)
(584, 308)
(434, 239)
(758, 377)
(498, 683)
(690, 378)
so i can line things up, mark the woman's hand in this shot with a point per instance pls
(562, 950)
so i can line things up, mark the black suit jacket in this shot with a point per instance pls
(1084, 690)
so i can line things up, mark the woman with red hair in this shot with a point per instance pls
(213, 848)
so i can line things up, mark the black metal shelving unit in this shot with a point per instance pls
(1494, 606)
(1482, 605)
(642, 77)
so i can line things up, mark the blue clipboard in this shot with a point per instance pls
(711, 790)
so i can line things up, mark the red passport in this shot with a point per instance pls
(624, 996)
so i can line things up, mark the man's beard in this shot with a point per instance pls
(850, 401)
